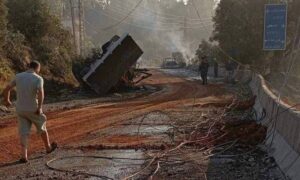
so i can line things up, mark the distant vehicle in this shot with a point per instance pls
(170, 63)
(179, 58)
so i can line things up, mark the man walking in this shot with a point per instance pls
(203, 68)
(30, 98)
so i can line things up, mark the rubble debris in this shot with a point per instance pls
(113, 66)
(238, 105)
(244, 105)
(248, 132)
(131, 78)
(4, 111)
(119, 147)
(142, 74)
(217, 135)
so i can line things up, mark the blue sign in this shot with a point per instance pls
(275, 27)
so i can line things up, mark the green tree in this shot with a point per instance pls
(211, 51)
(5, 70)
(205, 49)
(3, 24)
(239, 29)
(50, 42)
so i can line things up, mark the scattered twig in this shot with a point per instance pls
(156, 170)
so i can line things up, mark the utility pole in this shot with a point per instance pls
(81, 27)
(59, 8)
(73, 25)
(62, 9)
(185, 29)
(185, 23)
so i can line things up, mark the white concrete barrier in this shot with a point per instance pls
(283, 124)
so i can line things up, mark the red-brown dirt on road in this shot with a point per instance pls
(73, 126)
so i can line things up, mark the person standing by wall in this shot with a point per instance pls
(30, 98)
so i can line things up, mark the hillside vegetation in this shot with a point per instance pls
(29, 32)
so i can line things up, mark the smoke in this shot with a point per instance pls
(185, 2)
(160, 27)
(177, 44)
(172, 37)
(216, 3)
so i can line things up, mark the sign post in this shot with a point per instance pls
(275, 27)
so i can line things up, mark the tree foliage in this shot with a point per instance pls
(43, 32)
(239, 28)
(5, 71)
(29, 31)
(210, 50)
(3, 23)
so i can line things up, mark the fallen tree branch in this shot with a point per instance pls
(156, 170)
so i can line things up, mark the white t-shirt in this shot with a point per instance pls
(28, 83)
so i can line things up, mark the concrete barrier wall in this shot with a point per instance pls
(283, 124)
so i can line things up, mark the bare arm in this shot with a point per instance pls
(40, 98)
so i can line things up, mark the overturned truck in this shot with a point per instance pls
(118, 57)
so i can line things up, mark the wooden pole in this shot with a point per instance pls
(81, 26)
(74, 26)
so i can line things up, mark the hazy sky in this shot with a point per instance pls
(216, 3)
(184, 1)
(159, 29)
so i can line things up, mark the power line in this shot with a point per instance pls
(160, 19)
(122, 20)
(165, 15)
(169, 28)
(180, 19)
